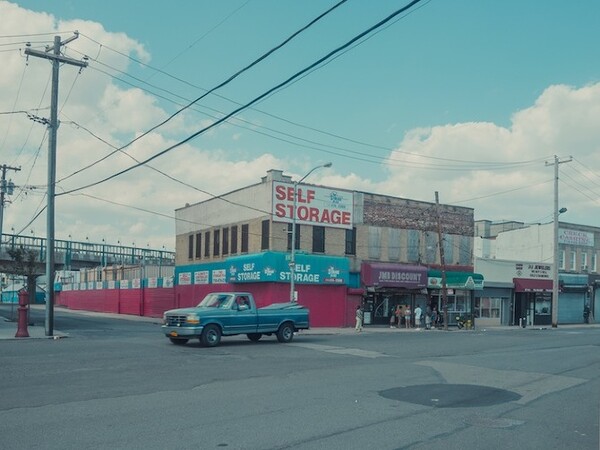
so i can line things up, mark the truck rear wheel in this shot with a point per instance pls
(211, 336)
(285, 333)
(254, 337)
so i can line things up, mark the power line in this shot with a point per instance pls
(239, 72)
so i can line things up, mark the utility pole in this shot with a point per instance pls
(556, 162)
(53, 54)
(442, 262)
(6, 188)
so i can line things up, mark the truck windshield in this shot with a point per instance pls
(216, 301)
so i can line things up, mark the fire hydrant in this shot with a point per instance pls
(22, 315)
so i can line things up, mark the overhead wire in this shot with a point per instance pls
(239, 72)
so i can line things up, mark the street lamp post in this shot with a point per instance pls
(293, 253)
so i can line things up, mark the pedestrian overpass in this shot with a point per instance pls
(77, 255)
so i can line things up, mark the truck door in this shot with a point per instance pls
(244, 316)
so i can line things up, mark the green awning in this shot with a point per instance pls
(455, 280)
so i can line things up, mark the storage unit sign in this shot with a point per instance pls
(314, 205)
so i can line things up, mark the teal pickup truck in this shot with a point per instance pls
(232, 313)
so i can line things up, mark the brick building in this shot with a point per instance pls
(351, 248)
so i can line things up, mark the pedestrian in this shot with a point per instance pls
(434, 317)
(359, 319)
(418, 313)
(399, 315)
(586, 313)
(428, 313)
(407, 316)
(392, 317)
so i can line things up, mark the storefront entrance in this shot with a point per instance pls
(383, 306)
(533, 308)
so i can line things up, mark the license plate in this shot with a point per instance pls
(173, 333)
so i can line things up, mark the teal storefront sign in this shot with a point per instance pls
(275, 267)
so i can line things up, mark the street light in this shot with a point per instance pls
(293, 254)
(555, 268)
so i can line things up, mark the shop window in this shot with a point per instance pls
(543, 306)
(225, 241)
(488, 307)
(350, 242)
(318, 241)
(207, 244)
(264, 237)
(190, 246)
(198, 245)
(217, 242)
(234, 239)
(245, 235)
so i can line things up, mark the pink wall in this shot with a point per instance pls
(330, 306)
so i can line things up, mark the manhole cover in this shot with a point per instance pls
(450, 395)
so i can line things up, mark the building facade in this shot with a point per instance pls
(350, 248)
(533, 245)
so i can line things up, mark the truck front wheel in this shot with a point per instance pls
(285, 333)
(211, 336)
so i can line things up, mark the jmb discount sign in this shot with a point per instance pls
(314, 205)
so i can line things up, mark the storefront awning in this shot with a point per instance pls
(532, 285)
(393, 275)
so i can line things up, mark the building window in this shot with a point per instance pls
(573, 261)
(431, 248)
(413, 252)
(207, 244)
(561, 260)
(234, 238)
(584, 261)
(225, 241)
(264, 236)
(350, 242)
(289, 237)
(594, 267)
(199, 245)
(374, 242)
(393, 244)
(318, 241)
(448, 243)
(245, 238)
(217, 243)
(191, 246)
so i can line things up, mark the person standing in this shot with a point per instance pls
(407, 316)
(359, 319)
(418, 313)
(586, 313)
(392, 317)
(399, 315)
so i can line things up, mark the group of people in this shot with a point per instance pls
(402, 315)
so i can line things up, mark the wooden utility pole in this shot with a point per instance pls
(53, 54)
(442, 262)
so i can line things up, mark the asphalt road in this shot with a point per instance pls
(118, 384)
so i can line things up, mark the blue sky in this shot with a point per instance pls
(469, 98)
